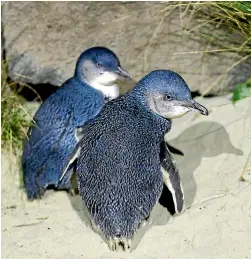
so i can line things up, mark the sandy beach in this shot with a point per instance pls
(216, 223)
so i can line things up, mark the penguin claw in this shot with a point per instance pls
(115, 244)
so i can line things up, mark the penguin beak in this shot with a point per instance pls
(123, 73)
(194, 106)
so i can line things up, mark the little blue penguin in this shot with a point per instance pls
(123, 161)
(52, 139)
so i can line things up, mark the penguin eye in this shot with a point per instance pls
(99, 64)
(167, 97)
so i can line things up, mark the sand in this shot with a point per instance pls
(216, 223)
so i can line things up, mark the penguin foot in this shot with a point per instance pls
(116, 244)
(35, 193)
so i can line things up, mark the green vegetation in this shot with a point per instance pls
(225, 25)
(212, 17)
(14, 122)
(15, 119)
(235, 17)
(242, 91)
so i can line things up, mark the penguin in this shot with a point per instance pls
(51, 139)
(123, 160)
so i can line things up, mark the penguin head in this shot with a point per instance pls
(167, 94)
(99, 65)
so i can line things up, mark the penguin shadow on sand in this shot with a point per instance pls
(205, 139)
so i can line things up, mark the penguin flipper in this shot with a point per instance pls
(174, 150)
(171, 178)
(68, 170)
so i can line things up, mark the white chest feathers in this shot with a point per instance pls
(105, 83)
(176, 112)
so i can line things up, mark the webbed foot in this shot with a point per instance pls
(116, 244)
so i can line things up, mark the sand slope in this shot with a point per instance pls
(216, 225)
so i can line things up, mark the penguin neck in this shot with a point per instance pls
(109, 90)
(140, 103)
